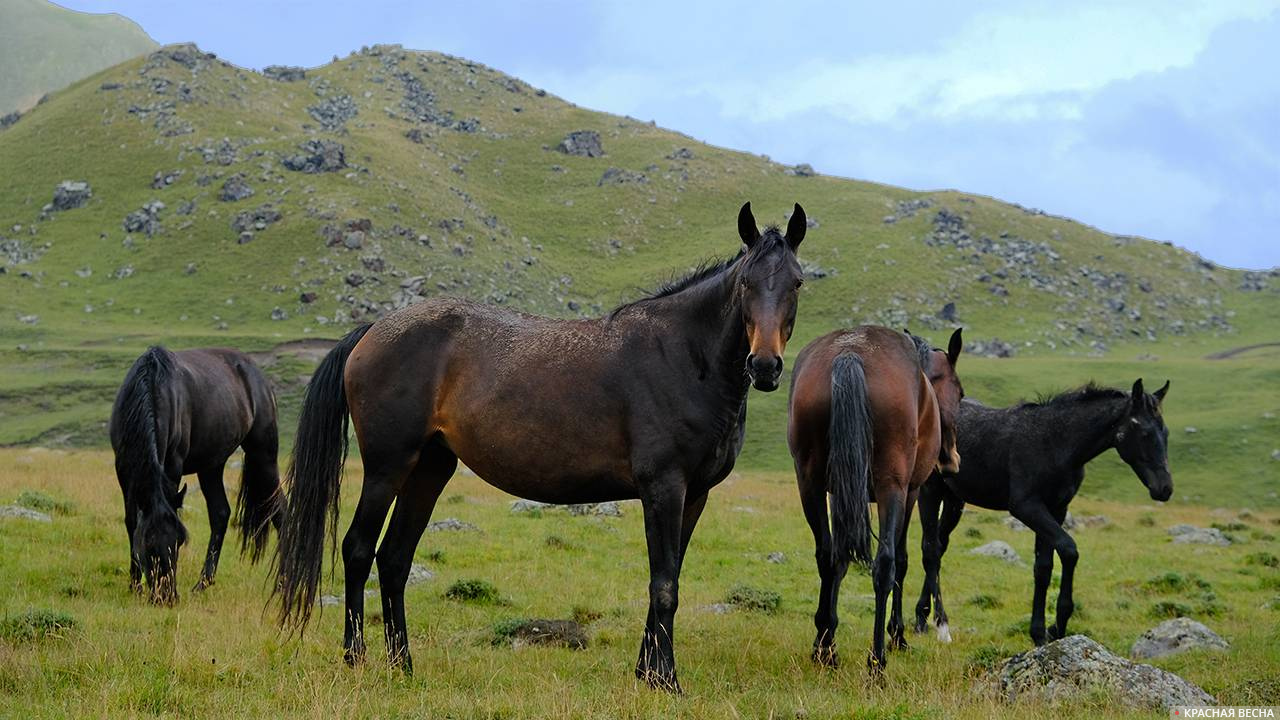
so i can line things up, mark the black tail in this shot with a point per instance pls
(315, 475)
(260, 504)
(261, 501)
(849, 461)
(134, 421)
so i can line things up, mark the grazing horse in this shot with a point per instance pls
(870, 418)
(647, 402)
(185, 412)
(1029, 459)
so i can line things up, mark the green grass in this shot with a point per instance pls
(219, 653)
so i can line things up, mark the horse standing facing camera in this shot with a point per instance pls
(647, 402)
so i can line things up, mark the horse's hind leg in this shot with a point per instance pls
(929, 503)
(395, 556)
(215, 498)
(384, 475)
(811, 476)
(891, 500)
(897, 628)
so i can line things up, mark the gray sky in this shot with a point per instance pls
(1158, 118)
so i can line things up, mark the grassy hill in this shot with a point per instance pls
(44, 47)
(254, 210)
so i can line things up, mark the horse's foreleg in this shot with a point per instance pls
(891, 500)
(664, 508)
(215, 498)
(135, 567)
(897, 628)
(395, 556)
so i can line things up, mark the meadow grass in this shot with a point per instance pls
(219, 653)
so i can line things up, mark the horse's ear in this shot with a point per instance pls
(955, 346)
(796, 227)
(1138, 395)
(1159, 394)
(747, 229)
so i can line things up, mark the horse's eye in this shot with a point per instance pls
(799, 283)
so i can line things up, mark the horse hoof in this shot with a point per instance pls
(898, 643)
(944, 633)
(660, 681)
(921, 627)
(353, 656)
(202, 585)
(1054, 633)
(826, 656)
(875, 669)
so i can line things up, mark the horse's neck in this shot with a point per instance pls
(1088, 431)
(707, 319)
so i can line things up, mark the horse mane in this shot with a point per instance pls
(923, 349)
(1085, 393)
(138, 453)
(708, 268)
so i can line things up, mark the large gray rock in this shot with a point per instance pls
(284, 73)
(1197, 535)
(1175, 636)
(604, 509)
(585, 143)
(998, 549)
(1077, 667)
(235, 189)
(17, 511)
(317, 156)
(70, 194)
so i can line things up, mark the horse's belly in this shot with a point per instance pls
(572, 472)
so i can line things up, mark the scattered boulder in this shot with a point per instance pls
(556, 633)
(802, 170)
(519, 507)
(17, 511)
(317, 156)
(9, 118)
(1077, 667)
(995, 347)
(1175, 636)
(998, 549)
(258, 218)
(418, 574)
(452, 524)
(71, 194)
(1071, 522)
(683, 153)
(1015, 524)
(235, 189)
(775, 557)
(618, 176)
(1199, 536)
(284, 73)
(948, 312)
(278, 313)
(162, 179)
(333, 112)
(584, 143)
(604, 509)
(145, 220)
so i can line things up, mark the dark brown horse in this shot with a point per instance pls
(648, 402)
(871, 416)
(185, 412)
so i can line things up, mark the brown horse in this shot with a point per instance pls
(648, 402)
(185, 412)
(872, 414)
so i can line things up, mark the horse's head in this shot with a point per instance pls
(156, 539)
(769, 280)
(949, 392)
(1143, 441)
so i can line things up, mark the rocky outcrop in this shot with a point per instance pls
(317, 156)
(235, 189)
(332, 113)
(71, 194)
(583, 143)
(1175, 636)
(1077, 667)
(284, 73)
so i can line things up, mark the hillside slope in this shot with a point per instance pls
(232, 207)
(44, 47)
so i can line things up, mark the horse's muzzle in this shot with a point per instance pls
(764, 372)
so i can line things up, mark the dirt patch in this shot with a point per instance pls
(313, 349)
(1227, 354)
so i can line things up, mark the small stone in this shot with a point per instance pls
(1191, 534)
(1175, 636)
(776, 558)
(1190, 430)
(452, 524)
(17, 511)
(279, 314)
(604, 509)
(998, 549)
(526, 506)
(1015, 524)
(245, 238)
